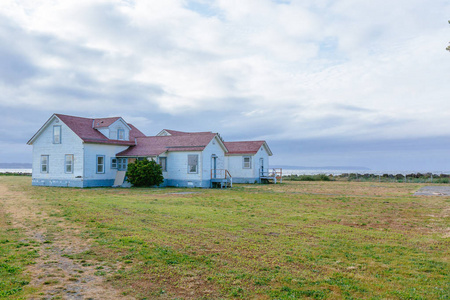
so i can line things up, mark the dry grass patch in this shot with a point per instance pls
(313, 240)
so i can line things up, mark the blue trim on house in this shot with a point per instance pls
(73, 183)
(98, 182)
(57, 182)
(246, 179)
(187, 183)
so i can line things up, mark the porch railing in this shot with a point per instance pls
(275, 174)
(222, 174)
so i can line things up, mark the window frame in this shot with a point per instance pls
(46, 165)
(114, 165)
(71, 163)
(123, 134)
(249, 162)
(122, 164)
(163, 166)
(97, 164)
(196, 165)
(59, 127)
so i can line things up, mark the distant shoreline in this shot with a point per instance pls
(293, 171)
(335, 172)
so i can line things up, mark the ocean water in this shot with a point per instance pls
(15, 170)
(375, 172)
(307, 172)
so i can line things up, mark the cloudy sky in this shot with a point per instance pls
(348, 82)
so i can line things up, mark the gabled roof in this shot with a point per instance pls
(246, 147)
(105, 122)
(134, 132)
(84, 129)
(156, 145)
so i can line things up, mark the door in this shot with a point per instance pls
(261, 167)
(121, 164)
(213, 166)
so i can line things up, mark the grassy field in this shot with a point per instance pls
(311, 240)
(16, 253)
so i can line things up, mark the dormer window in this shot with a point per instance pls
(120, 134)
(57, 134)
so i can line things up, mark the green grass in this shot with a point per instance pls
(16, 254)
(311, 240)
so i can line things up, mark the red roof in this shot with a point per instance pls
(156, 145)
(134, 132)
(104, 122)
(83, 127)
(245, 147)
(175, 132)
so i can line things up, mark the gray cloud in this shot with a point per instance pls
(285, 71)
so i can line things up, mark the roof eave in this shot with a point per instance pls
(34, 137)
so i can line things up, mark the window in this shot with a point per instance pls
(193, 163)
(163, 163)
(100, 164)
(120, 134)
(247, 162)
(44, 163)
(122, 164)
(113, 163)
(68, 163)
(57, 134)
(119, 163)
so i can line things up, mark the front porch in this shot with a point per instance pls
(271, 175)
(221, 178)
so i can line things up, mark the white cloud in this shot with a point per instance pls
(350, 68)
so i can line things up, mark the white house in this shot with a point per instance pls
(83, 152)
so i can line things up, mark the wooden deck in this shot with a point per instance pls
(221, 178)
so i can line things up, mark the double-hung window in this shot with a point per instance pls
(163, 163)
(44, 163)
(193, 163)
(100, 164)
(57, 134)
(246, 162)
(120, 134)
(68, 165)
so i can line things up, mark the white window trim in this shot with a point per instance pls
(97, 164)
(189, 166)
(123, 134)
(60, 133)
(71, 163)
(47, 164)
(249, 162)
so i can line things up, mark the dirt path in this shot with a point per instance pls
(433, 191)
(55, 275)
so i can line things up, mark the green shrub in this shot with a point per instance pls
(318, 177)
(144, 173)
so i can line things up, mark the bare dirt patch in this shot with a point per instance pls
(56, 274)
(433, 191)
